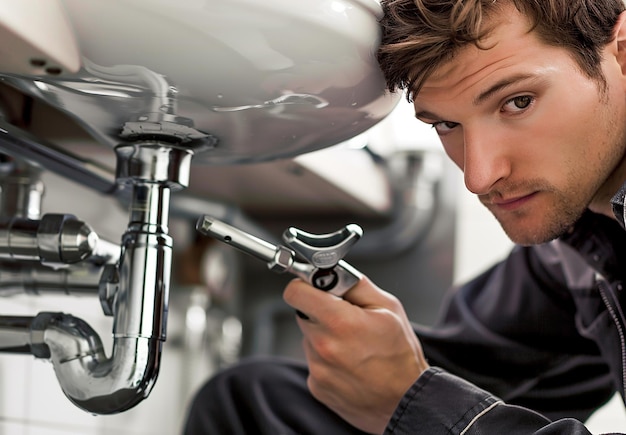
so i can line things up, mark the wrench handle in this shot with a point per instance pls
(241, 240)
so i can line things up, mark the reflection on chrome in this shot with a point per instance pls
(284, 100)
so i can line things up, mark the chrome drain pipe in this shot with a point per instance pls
(134, 289)
(135, 292)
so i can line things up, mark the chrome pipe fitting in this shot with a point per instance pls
(21, 189)
(55, 239)
(154, 162)
(135, 292)
(15, 334)
(21, 277)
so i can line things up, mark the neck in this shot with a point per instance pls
(611, 192)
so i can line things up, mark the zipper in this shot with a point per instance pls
(617, 315)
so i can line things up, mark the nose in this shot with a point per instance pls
(485, 159)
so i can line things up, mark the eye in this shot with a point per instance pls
(444, 127)
(518, 104)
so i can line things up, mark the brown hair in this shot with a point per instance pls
(420, 35)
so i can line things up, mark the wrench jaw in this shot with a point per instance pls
(325, 268)
(323, 250)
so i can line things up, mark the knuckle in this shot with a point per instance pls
(326, 349)
(394, 302)
(314, 389)
(319, 379)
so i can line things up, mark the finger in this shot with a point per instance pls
(309, 302)
(316, 305)
(366, 294)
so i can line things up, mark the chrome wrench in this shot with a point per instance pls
(315, 258)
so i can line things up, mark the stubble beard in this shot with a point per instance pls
(554, 222)
(552, 215)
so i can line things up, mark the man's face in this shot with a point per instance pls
(538, 140)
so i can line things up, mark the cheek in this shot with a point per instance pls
(556, 138)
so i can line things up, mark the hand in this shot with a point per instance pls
(361, 350)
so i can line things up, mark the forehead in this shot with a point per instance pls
(509, 45)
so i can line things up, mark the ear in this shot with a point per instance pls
(618, 45)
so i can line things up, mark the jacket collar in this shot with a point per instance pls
(618, 205)
(601, 242)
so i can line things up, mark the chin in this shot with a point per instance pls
(535, 235)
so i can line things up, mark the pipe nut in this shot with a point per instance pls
(62, 239)
(154, 162)
(108, 288)
(282, 261)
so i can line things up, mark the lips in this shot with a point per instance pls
(511, 203)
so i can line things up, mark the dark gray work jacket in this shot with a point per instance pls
(532, 346)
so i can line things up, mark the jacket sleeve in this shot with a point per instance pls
(442, 404)
(510, 332)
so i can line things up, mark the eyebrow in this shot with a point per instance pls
(486, 94)
(500, 86)
(426, 115)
